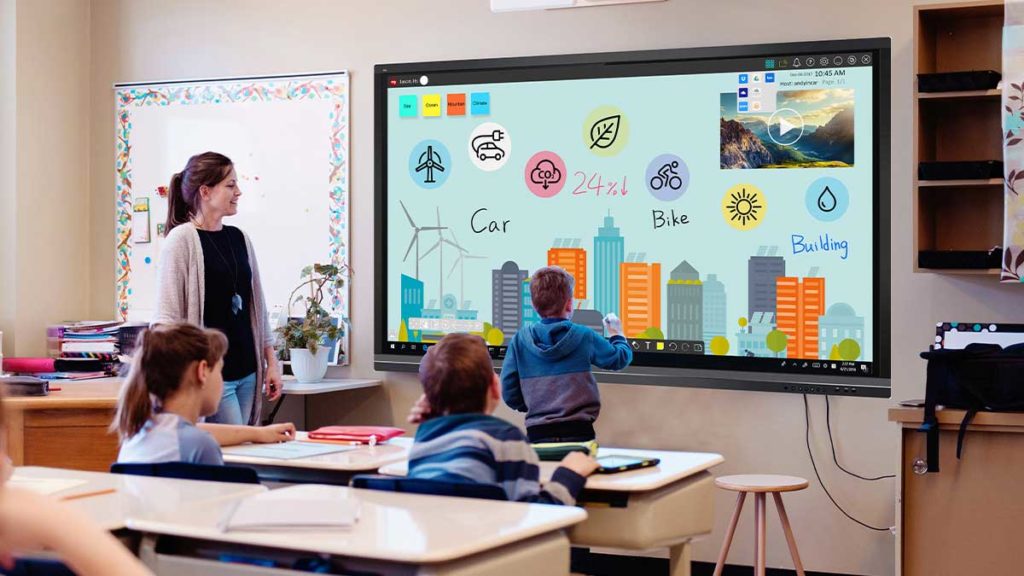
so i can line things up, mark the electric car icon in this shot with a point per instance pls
(485, 146)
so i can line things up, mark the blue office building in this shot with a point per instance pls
(609, 253)
(412, 301)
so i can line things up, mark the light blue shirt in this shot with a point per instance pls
(170, 438)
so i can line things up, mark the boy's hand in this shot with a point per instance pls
(613, 325)
(580, 463)
(420, 411)
(275, 433)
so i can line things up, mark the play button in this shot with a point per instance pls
(785, 126)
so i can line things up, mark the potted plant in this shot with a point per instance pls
(304, 340)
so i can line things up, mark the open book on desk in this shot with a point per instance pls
(304, 507)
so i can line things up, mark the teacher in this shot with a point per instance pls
(209, 277)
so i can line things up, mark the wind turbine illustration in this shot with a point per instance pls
(460, 262)
(416, 237)
(430, 161)
(439, 246)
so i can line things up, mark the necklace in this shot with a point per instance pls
(236, 300)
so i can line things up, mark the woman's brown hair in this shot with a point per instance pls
(206, 169)
(163, 355)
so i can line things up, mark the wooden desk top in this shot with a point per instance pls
(407, 528)
(362, 459)
(81, 394)
(912, 417)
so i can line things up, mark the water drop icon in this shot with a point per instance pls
(827, 200)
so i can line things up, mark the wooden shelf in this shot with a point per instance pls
(957, 126)
(959, 183)
(963, 95)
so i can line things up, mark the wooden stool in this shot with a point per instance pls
(760, 484)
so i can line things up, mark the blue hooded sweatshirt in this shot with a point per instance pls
(546, 372)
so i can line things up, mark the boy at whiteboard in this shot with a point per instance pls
(546, 372)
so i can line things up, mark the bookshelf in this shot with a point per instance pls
(957, 215)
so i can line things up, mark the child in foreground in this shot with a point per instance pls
(459, 441)
(175, 380)
(31, 522)
(546, 372)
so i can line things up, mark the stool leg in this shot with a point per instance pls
(759, 547)
(740, 497)
(788, 531)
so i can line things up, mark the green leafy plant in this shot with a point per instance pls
(317, 324)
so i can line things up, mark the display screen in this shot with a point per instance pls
(727, 209)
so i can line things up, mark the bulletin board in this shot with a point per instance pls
(288, 138)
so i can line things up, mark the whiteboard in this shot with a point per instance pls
(288, 139)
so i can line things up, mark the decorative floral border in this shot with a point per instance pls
(333, 87)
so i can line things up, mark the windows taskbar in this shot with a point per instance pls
(662, 352)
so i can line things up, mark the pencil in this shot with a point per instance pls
(90, 494)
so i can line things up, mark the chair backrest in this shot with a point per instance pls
(426, 486)
(189, 471)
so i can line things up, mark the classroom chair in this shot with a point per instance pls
(760, 485)
(429, 487)
(188, 471)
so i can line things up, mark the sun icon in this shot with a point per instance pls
(744, 206)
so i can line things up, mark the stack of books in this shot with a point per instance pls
(85, 340)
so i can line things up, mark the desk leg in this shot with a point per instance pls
(16, 436)
(273, 412)
(679, 559)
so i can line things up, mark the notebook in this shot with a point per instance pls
(303, 507)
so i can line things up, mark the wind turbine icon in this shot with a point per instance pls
(439, 246)
(430, 161)
(463, 255)
(416, 237)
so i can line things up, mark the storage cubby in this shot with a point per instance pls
(957, 215)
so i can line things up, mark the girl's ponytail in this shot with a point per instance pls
(134, 405)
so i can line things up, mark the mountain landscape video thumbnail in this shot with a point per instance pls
(825, 141)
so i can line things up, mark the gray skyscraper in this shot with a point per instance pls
(609, 252)
(762, 271)
(685, 304)
(507, 298)
(715, 319)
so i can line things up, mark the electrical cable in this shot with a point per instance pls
(807, 439)
(828, 424)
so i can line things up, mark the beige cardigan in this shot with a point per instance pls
(181, 294)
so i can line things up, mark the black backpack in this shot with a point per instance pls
(978, 377)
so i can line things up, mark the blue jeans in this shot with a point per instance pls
(236, 401)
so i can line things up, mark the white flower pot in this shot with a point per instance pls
(307, 367)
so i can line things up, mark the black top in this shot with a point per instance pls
(227, 271)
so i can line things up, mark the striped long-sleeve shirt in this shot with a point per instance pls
(484, 449)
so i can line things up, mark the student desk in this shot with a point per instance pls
(292, 387)
(67, 428)
(966, 518)
(132, 494)
(334, 468)
(663, 506)
(395, 534)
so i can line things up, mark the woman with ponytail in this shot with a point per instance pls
(208, 276)
(174, 381)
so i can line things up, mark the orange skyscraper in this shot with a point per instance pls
(799, 303)
(568, 255)
(639, 296)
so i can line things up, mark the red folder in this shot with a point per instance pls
(361, 434)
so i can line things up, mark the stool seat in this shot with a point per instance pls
(759, 483)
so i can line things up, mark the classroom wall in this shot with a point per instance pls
(8, 56)
(135, 40)
(46, 195)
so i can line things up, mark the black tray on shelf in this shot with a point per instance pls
(958, 81)
(973, 170)
(960, 259)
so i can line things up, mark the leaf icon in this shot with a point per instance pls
(604, 132)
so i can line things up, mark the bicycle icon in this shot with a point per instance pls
(667, 175)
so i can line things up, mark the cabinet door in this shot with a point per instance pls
(969, 517)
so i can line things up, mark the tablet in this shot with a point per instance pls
(613, 464)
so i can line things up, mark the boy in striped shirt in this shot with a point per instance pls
(459, 441)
